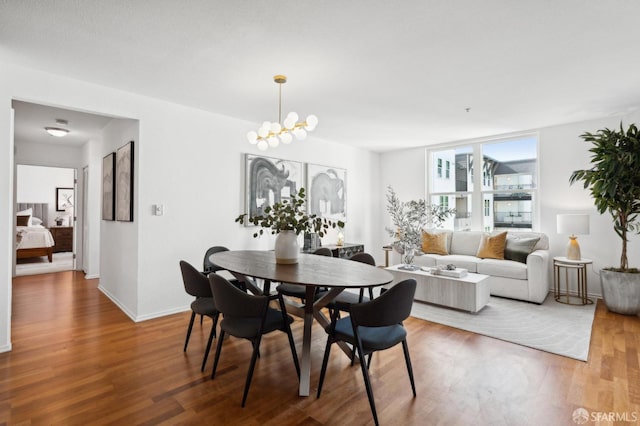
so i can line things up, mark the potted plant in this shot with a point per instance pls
(409, 218)
(288, 219)
(614, 182)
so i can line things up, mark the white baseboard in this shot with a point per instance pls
(117, 303)
(91, 277)
(5, 348)
(138, 318)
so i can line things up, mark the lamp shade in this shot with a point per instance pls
(574, 224)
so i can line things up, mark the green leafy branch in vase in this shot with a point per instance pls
(289, 215)
(411, 217)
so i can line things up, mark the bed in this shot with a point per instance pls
(34, 239)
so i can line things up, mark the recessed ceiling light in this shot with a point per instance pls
(58, 131)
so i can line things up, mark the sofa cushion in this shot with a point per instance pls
(460, 260)
(518, 248)
(428, 260)
(465, 242)
(503, 268)
(435, 243)
(492, 246)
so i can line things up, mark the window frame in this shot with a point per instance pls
(478, 192)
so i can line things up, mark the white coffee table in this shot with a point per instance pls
(469, 293)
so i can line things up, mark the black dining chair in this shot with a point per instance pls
(197, 285)
(344, 300)
(208, 266)
(297, 290)
(248, 317)
(373, 326)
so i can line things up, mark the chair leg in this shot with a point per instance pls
(367, 384)
(287, 327)
(201, 318)
(254, 357)
(217, 357)
(212, 334)
(405, 349)
(186, 341)
(325, 361)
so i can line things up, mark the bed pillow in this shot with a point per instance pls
(518, 249)
(492, 246)
(434, 243)
(35, 221)
(22, 220)
(26, 212)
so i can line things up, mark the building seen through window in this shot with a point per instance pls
(507, 187)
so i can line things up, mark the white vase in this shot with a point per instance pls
(287, 247)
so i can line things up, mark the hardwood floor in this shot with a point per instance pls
(77, 359)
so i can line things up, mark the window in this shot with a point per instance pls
(507, 193)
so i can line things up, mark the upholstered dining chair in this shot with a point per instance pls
(373, 326)
(297, 290)
(197, 285)
(344, 300)
(208, 266)
(248, 317)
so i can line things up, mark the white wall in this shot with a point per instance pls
(561, 152)
(187, 159)
(36, 184)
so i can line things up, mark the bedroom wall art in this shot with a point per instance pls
(64, 199)
(269, 180)
(108, 193)
(124, 183)
(326, 189)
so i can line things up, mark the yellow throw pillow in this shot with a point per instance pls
(434, 243)
(492, 246)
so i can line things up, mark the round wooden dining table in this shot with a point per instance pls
(311, 271)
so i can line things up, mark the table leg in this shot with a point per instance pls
(305, 361)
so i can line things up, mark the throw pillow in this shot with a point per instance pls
(434, 243)
(492, 246)
(518, 249)
(22, 220)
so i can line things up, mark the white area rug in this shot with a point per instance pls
(41, 265)
(552, 327)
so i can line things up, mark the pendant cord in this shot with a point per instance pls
(279, 103)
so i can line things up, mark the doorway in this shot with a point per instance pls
(48, 196)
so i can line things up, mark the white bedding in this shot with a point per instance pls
(33, 237)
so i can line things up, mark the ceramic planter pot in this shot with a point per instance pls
(287, 248)
(621, 291)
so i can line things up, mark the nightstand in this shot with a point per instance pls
(63, 238)
(580, 266)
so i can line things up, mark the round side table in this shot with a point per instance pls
(580, 266)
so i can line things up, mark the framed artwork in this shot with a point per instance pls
(327, 191)
(268, 181)
(124, 183)
(64, 199)
(108, 193)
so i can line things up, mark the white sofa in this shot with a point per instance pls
(509, 278)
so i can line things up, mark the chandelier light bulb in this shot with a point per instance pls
(276, 127)
(263, 132)
(263, 145)
(273, 141)
(286, 138)
(312, 122)
(300, 134)
(292, 116)
(252, 137)
(289, 123)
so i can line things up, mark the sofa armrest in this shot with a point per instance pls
(538, 275)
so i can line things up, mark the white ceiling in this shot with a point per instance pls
(378, 74)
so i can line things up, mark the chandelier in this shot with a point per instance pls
(271, 134)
